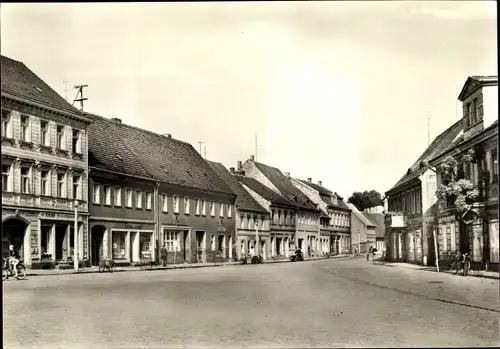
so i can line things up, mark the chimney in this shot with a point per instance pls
(252, 158)
(231, 169)
(118, 121)
(287, 174)
(320, 183)
(309, 180)
(168, 135)
(239, 167)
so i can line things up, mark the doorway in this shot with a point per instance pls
(185, 247)
(60, 235)
(14, 231)
(278, 246)
(97, 247)
(200, 246)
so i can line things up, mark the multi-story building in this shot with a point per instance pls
(282, 213)
(252, 220)
(44, 168)
(409, 222)
(363, 231)
(478, 231)
(155, 197)
(335, 220)
(376, 215)
(307, 236)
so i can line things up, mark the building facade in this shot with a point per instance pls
(335, 229)
(252, 220)
(307, 235)
(154, 197)
(44, 169)
(377, 217)
(363, 234)
(477, 233)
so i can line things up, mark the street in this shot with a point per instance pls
(326, 303)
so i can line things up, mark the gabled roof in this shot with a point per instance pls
(379, 221)
(264, 191)
(130, 150)
(361, 217)
(286, 187)
(439, 144)
(474, 82)
(19, 81)
(243, 199)
(320, 189)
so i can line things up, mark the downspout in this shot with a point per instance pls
(157, 221)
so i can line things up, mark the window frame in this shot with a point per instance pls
(44, 133)
(25, 128)
(78, 185)
(138, 199)
(117, 197)
(63, 182)
(149, 201)
(45, 181)
(76, 148)
(26, 180)
(175, 203)
(106, 191)
(129, 198)
(6, 123)
(60, 136)
(94, 192)
(8, 176)
(187, 205)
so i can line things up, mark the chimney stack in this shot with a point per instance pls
(231, 169)
(320, 183)
(118, 121)
(240, 166)
(287, 174)
(252, 157)
(309, 180)
(168, 135)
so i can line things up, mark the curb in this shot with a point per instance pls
(433, 269)
(177, 267)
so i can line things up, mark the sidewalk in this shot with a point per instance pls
(472, 273)
(91, 270)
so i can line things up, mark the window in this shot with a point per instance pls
(6, 124)
(242, 221)
(25, 124)
(44, 183)
(25, 180)
(186, 205)
(229, 210)
(61, 180)
(221, 209)
(171, 241)
(212, 242)
(119, 244)
(203, 207)
(212, 208)
(149, 200)
(107, 195)
(77, 194)
(494, 162)
(6, 186)
(251, 222)
(138, 199)
(176, 203)
(75, 145)
(128, 197)
(197, 206)
(118, 196)
(44, 132)
(60, 137)
(96, 194)
(164, 199)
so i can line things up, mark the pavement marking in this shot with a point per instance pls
(408, 292)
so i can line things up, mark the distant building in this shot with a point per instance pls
(363, 231)
(44, 168)
(252, 220)
(155, 197)
(379, 221)
(335, 220)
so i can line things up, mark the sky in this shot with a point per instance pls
(339, 92)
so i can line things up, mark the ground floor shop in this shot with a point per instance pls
(46, 237)
(251, 243)
(341, 243)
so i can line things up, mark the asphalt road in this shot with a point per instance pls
(328, 303)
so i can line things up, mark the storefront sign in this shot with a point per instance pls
(133, 226)
(48, 215)
(221, 230)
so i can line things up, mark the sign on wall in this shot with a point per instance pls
(397, 221)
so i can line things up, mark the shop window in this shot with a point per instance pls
(119, 244)
(171, 241)
(145, 243)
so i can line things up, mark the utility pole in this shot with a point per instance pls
(255, 146)
(80, 93)
(65, 90)
(200, 143)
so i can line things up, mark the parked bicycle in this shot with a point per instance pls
(7, 270)
(461, 262)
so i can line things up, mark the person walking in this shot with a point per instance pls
(370, 252)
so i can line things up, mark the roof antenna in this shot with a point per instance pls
(205, 152)
(65, 90)
(429, 128)
(80, 92)
(200, 143)
(255, 146)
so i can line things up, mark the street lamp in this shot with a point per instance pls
(75, 237)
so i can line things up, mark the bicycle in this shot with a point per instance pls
(7, 270)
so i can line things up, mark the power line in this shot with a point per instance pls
(80, 92)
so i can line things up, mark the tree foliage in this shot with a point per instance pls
(458, 190)
(366, 199)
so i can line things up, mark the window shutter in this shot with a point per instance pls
(479, 106)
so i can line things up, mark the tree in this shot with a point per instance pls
(458, 191)
(366, 199)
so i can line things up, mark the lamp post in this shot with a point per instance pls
(75, 237)
(359, 243)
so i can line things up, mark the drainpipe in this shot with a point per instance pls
(157, 221)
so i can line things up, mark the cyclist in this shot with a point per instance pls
(13, 259)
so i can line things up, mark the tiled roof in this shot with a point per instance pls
(340, 202)
(317, 187)
(379, 221)
(439, 144)
(243, 199)
(19, 81)
(264, 191)
(130, 150)
(286, 187)
(360, 216)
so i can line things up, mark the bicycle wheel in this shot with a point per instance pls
(21, 272)
(454, 268)
(466, 268)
